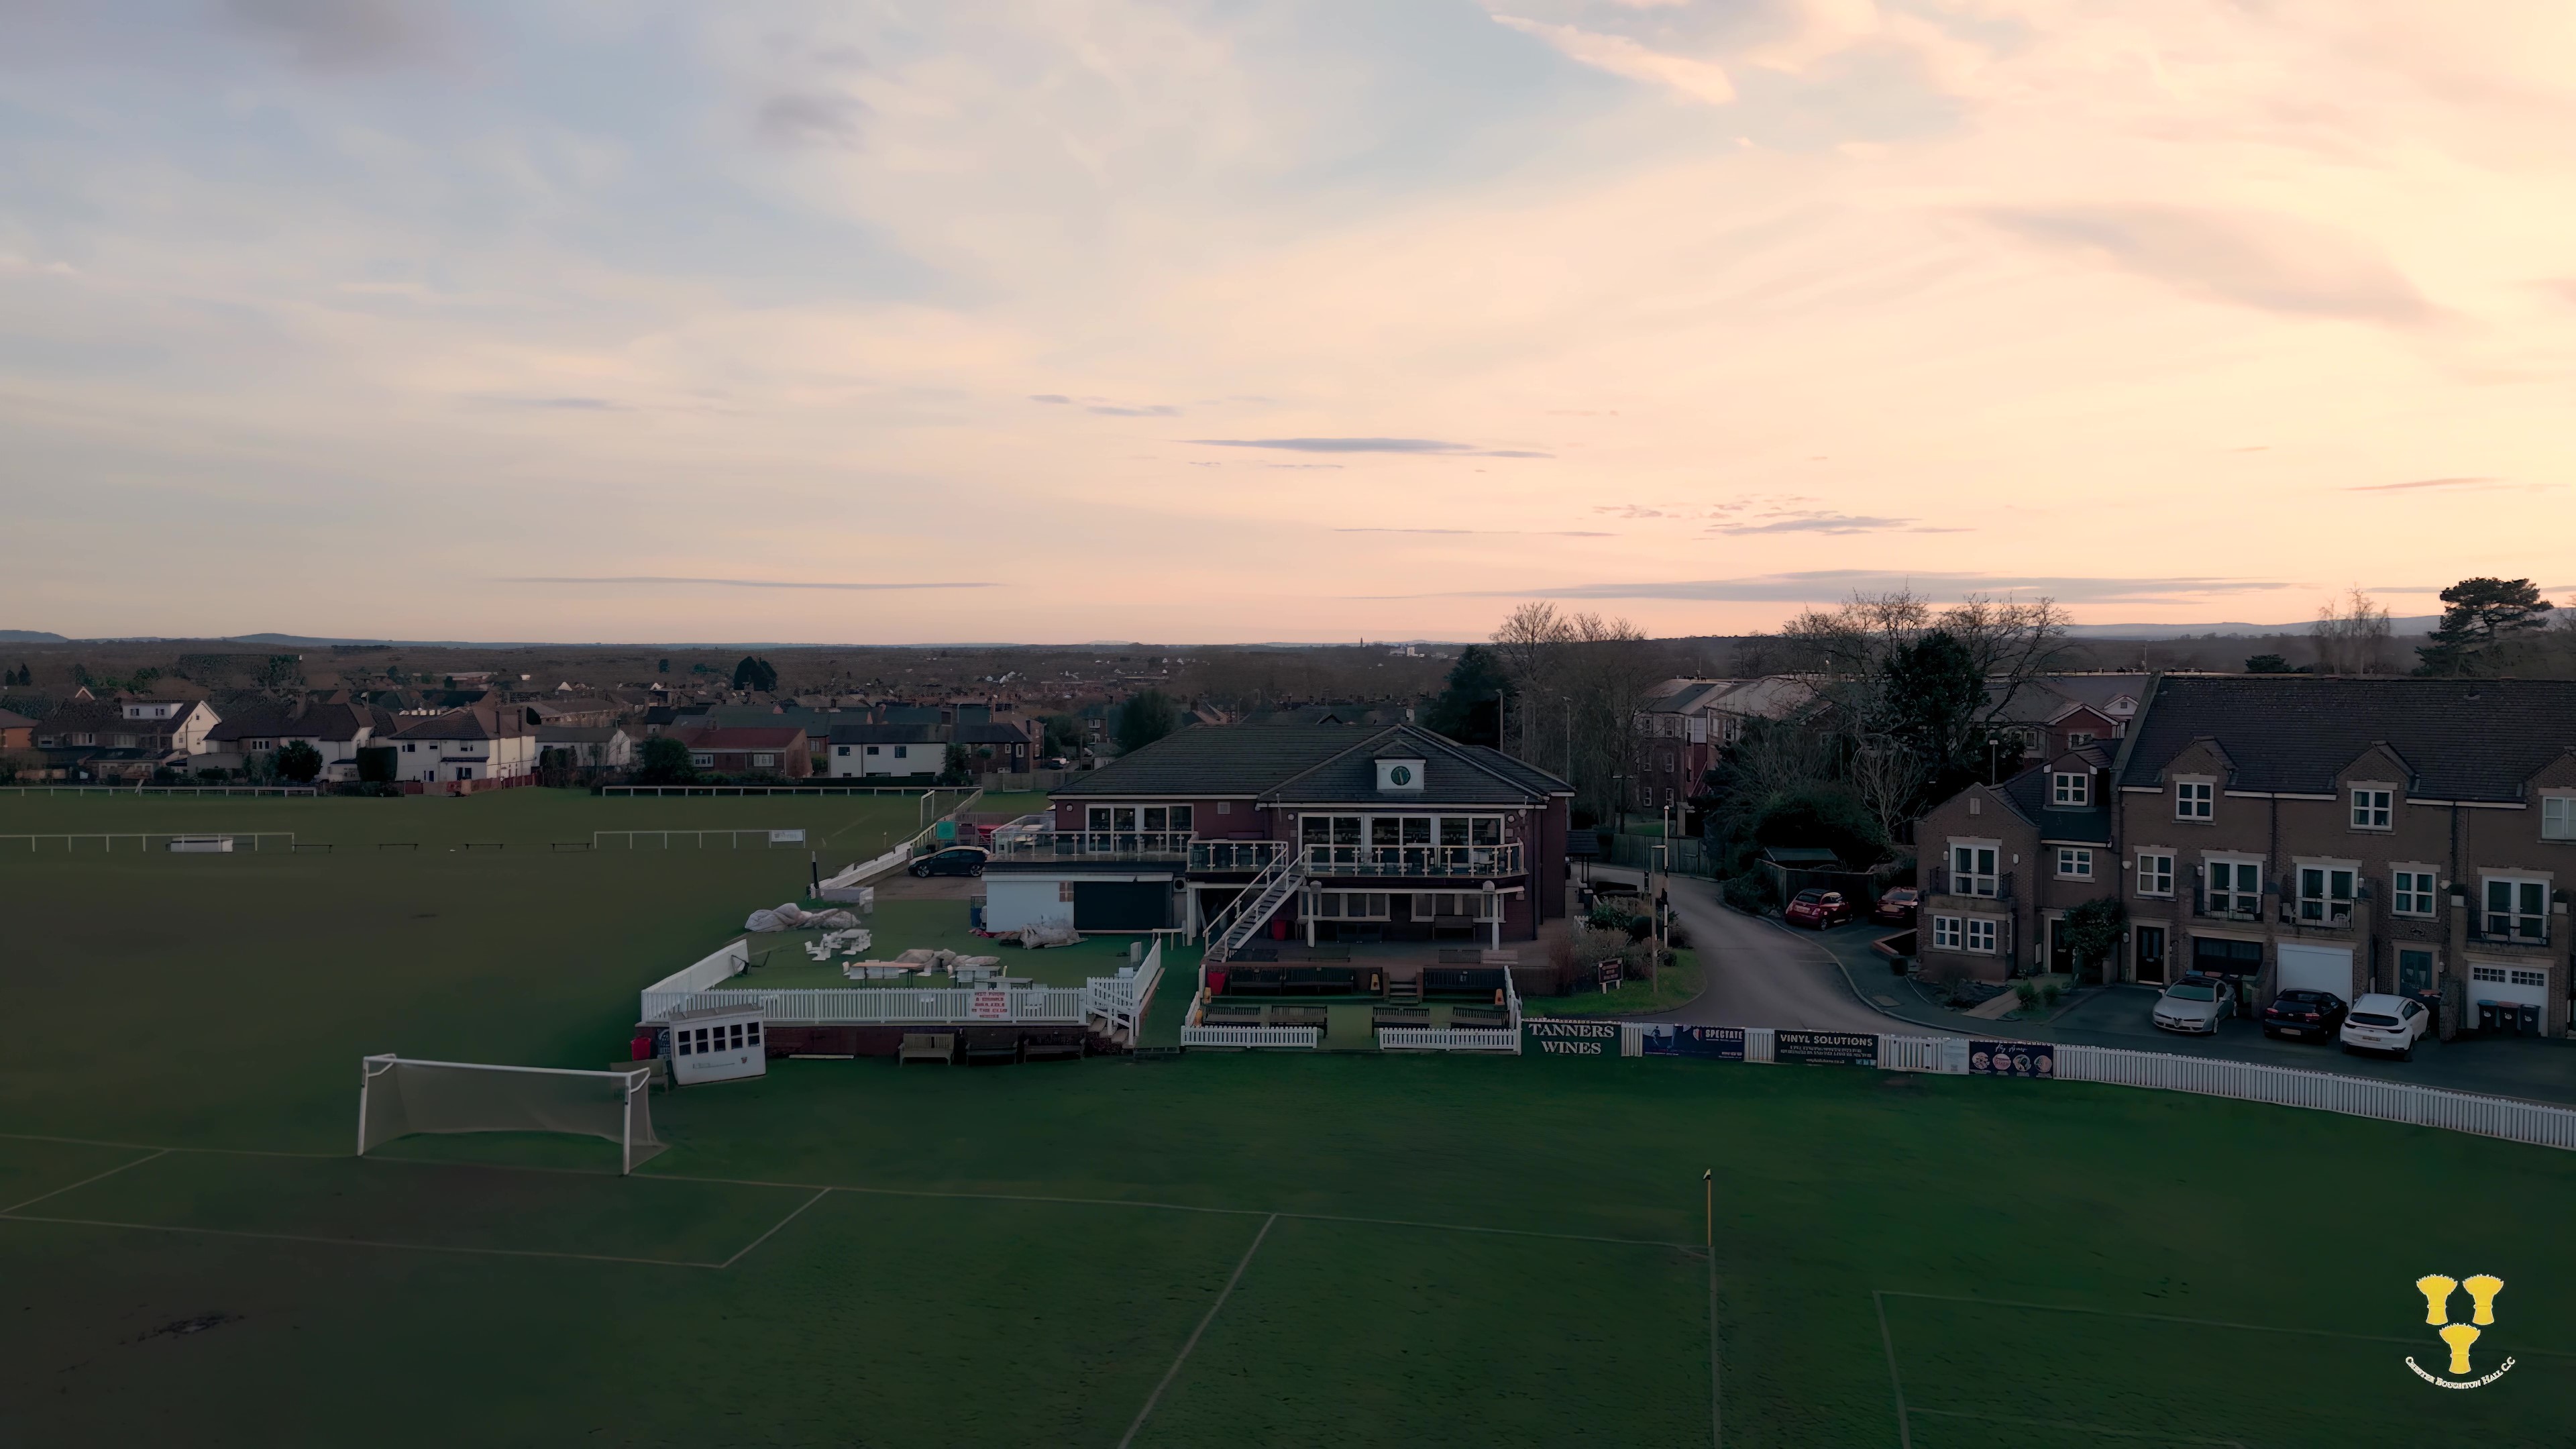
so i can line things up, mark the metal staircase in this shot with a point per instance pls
(1261, 899)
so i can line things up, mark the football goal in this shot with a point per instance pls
(398, 1096)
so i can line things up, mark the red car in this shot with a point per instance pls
(1818, 909)
(1897, 907)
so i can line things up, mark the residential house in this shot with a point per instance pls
(482, 741)
(2350, 835)
(1001, 747)
(751, 750)
(1366, 833)
(887, 749)
(17, 732)
(589, 747)
(336, 731)
(1688, 723)
(123, 738)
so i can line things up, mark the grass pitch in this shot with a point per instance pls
(1226, 1248)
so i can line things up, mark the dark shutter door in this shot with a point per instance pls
(1121, 905)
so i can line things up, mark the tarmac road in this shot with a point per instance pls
(1761, 973)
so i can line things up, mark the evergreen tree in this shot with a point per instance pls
(1469, 709)
(2484, 623)
(1145, 718)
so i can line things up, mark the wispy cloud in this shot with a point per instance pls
(660, 580)
(1830, 523)
(2416, 483)
(1523, 532)
(1831, 583)
(560, 404)
(1697, 80)
(810, 118)
(1370, 445)
(1107, 408)
(347, 34)
(2255, 259)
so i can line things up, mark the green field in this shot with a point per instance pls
(1266, 1249)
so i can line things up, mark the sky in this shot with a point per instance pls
(1081, 319)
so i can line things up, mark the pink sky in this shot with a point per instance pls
(1147, 321)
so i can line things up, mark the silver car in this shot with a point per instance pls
(2196, 1004)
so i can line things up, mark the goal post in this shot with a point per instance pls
(398, 1096)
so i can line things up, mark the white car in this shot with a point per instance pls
(2383, 1023)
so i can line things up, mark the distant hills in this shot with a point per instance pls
(2412, 624)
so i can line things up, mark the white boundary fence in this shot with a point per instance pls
(209, 841)
(2540, 1124)
(767, 836)
(847, 885)
(1449, 1039)
(306, 790)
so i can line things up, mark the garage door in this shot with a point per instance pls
(2316, 968)
(2521, 985)
(1122, 905)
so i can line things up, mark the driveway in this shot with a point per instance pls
(1759, 972)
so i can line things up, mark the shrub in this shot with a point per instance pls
(1750, 894)
(2049, 992)
(1678, 935)
(2028, 991)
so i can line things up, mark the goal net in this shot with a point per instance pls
(398, 1097)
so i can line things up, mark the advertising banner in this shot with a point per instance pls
(1657, 1039)
(989, 1006)
(1724, 1043)
(1594, 1039)
(2012, 1059)
(787, 837)
(1827, 1048)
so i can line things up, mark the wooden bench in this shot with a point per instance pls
(1488, 1018)
(1052, 1051)
(1315, 1016)
(1326, 953)
(927, 1046)
(1230, 1016)
(1399, 1016)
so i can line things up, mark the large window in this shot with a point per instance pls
(1972, 870)
(1981, 934)
(2411, 892)
(2325, 895)
(2371, 809)
(2155, 873)
(1393, 844)
(2072, 788)
(1352, 905)
(2558, 817)
(2235, 887)
(2074, 863)
(1945, 933)
(2194, 799)
(2517, 909)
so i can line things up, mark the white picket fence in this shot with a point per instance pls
(863, 1006)
(1251, 1036)
(2537, 1123)
(1119, 1001)
(1449, 1039)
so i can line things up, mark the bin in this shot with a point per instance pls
(2530, 1023)
(2486, 1016)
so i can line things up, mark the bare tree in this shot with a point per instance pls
(1530, 642)
(1886, 777)
(2352, 635)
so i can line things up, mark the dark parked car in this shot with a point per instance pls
(1818, 909)
(1897, 907)
(2305, 1013)
(955, 860)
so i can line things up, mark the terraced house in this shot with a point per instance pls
(2405, 835)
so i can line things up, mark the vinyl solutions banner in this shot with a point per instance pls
(1595, 1039)
(1827, 1048)
(2011, 1059)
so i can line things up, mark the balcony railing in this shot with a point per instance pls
(2318, 915)
(2489, 928)
(2242, 906)
(1093, 845)
(1444, 861)
(1223, 855)
(1997, 887)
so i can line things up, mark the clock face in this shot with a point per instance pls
(1400, 775)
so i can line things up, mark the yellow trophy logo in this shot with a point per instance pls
(2459, 1337)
